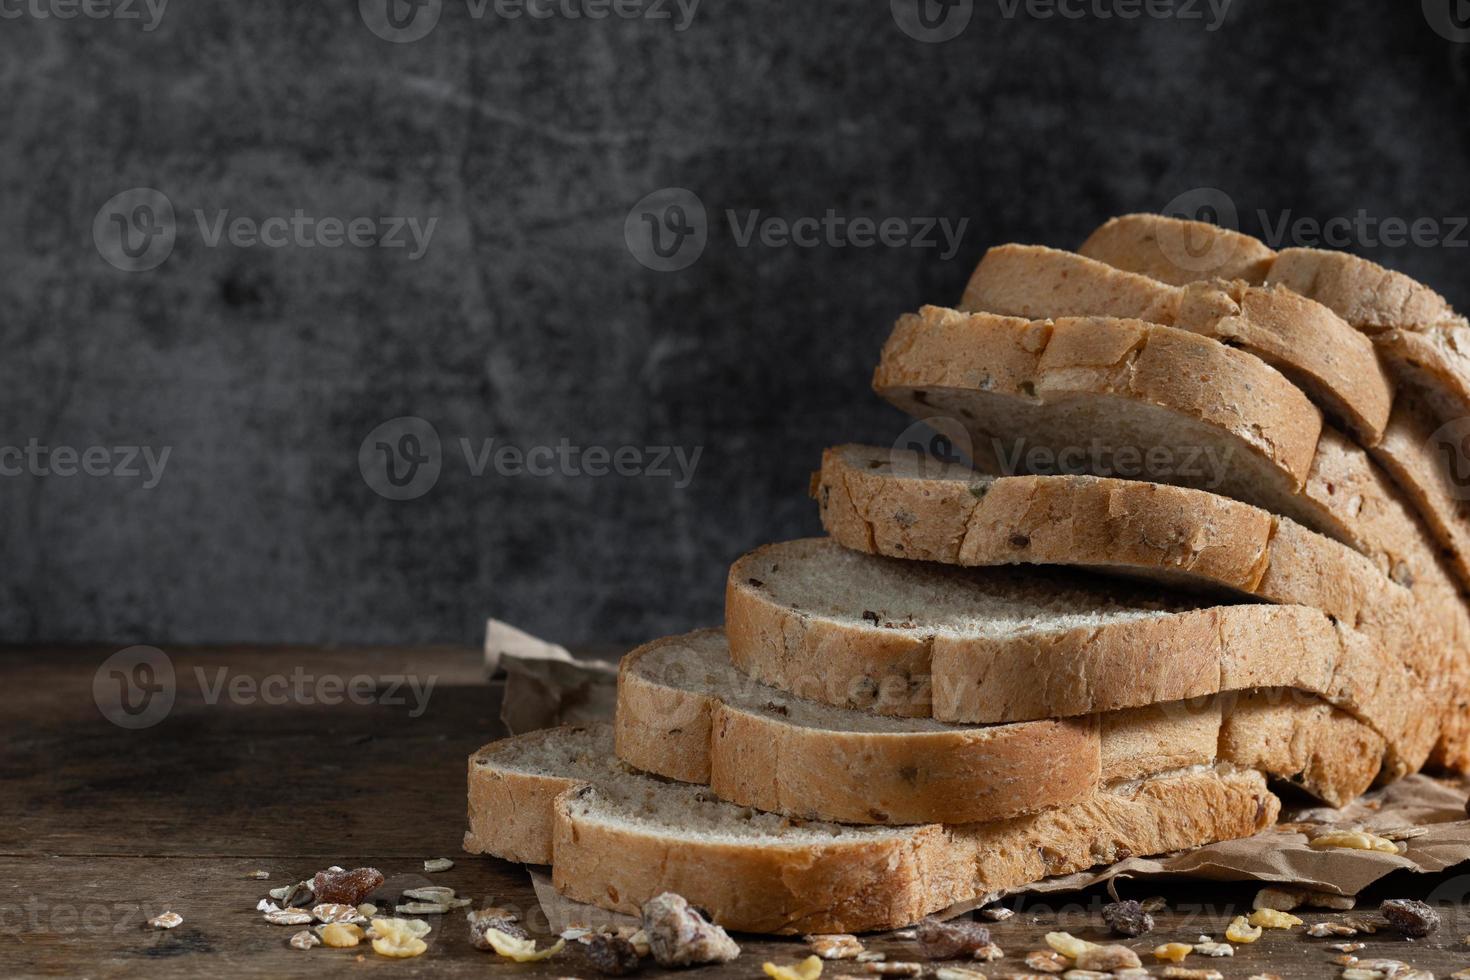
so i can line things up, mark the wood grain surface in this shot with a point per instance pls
(102, 828)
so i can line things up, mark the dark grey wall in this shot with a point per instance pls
(528, 319)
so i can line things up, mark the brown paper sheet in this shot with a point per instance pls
(545, 686)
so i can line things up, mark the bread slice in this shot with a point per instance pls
(1423, 340)
(890, 504)
(617, 839)
(685, 713)
(993, 645)
(1307, 342)
(1031, 394)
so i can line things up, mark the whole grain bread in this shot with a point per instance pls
(1029, 394)
(993, 645)
(1307, 342)
(616, 839)
(685, 713)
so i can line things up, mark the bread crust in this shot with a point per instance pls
(976, 679)
(1315, 348)
(1328, 752)
(1178, 252)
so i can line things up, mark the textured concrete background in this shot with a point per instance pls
(528, 319)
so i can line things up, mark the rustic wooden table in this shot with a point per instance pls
(253, 767)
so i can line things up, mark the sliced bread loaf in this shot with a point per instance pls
(617, 839)
(685, 713)
(992, 645)
(1307, 342)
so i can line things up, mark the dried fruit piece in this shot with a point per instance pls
(1172, 952)
(166, 920)
(367, 910)
(413, 927)
(520, 950)
(438, 864)
(1273, 919)
(399, 947)
(1128, 918)
(1108, 959)
(1241, 931)
(305, 939)
(1066, 944)
(1358, 840)
(1047, 961)
(335, 886)
(612, 956)
(680, 936)
(1410, 917)
(808, 969)
(341, 935)
(1214, 949)
(1280, 899)
(835, 946)
(949, 940)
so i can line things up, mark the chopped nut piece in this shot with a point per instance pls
(305, 939)
(808, 969)
(680, 936)
(835, 946)
(421, 908)
(297, 894)
(1047, 961)
(367, 910)
(948, 940)
(988, 952)
(520, 950)
(341, 935)
(1128, 918)
(1214, 949)
(1362, 925)
(288, 917)
(1273, 919)
(957, 973)
(1410, 917)
(1402, 833)
(437, 894)
(1106, 959)
(259, 875)
(1182, 973)
(997, 913)
(1322, 929)
(1346, 959)
(905, 933)
(1358, 840)
(1280, 899)
(438, 864)
(1460, 975)
(337, 913)
(1264, 976)
(612, 956)
(166, 920)
(1154, 903)
(1172, 952)
(1241, 931)
(895, 969)
(1347, 947)
(345, 887)
(870, 956)
(1066, 944)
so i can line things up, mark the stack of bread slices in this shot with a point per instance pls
(1209, 542)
